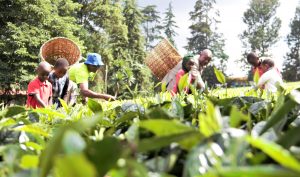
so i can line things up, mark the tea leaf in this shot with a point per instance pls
(259, 171)
(256, 76)
(183, 82)
(34, 129)
(94, 105)
(276, 152)
(278, 114)
(162, 128)
(290, 138)
(75, 165)
(236, 116)
(104, 154)
(29, 161)
(13, 111)
(220, 76)
(186, 139)
(64, 105)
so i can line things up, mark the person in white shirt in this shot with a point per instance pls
(200, 62)
(270, 77)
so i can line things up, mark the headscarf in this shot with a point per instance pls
(186, 59)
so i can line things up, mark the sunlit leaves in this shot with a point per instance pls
(220, 76)
(256, 76)
(276, 152)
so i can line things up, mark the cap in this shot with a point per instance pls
(94, 59)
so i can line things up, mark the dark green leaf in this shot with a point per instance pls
(163, 141)
(94, 106)
(14, 110)
(104, 154)
(278, 114)
(290, 138)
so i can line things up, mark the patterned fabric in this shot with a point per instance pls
(59, 87)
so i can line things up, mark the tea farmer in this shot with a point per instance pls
(39, 92)
(256, 64)
(200, 61)
(270, 76)
(79, 74)
(59, 80)
(187, 64)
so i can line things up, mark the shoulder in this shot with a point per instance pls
(33, 83)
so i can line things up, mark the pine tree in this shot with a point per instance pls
(25, 26)
(169, 24)
(262, 26)
(151, 25)
(291, 66)
(205, 35)
(133, 20)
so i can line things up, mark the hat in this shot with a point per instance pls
(94, 59)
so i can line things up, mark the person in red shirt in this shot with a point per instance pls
(187, 64)
(39, 92)
(193, 65)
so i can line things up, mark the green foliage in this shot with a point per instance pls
(220, 76)
(205, 34)
(169, 24)
(24, 33)
(151, 25)
(292, 63)
(189, 135)
(263, 26)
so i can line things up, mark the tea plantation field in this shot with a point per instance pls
(227, 132)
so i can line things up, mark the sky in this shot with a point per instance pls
(231, 13)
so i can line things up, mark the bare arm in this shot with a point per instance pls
(84, 90)
(38, 99)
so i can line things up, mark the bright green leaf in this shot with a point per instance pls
(29, 161)
(75, 165)
(220, 76)
(276, 152)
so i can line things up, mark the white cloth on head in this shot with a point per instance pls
(269, 80)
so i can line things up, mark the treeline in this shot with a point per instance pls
(109, 27)
(122, 32)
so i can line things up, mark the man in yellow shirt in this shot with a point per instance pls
(79, 74)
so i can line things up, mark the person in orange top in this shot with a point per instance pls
(255, 62)
(39, 92)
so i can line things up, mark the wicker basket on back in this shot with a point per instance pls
(162, 59)
(60, 47)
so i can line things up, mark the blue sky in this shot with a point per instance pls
(231, 12)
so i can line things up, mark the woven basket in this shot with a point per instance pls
(162, 59)
(60, 47)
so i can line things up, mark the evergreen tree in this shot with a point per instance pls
(136, 53)
(151, 25)
(25, 26)
(291, 66)
(169, 24)
(262, 26)
(205, 34)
